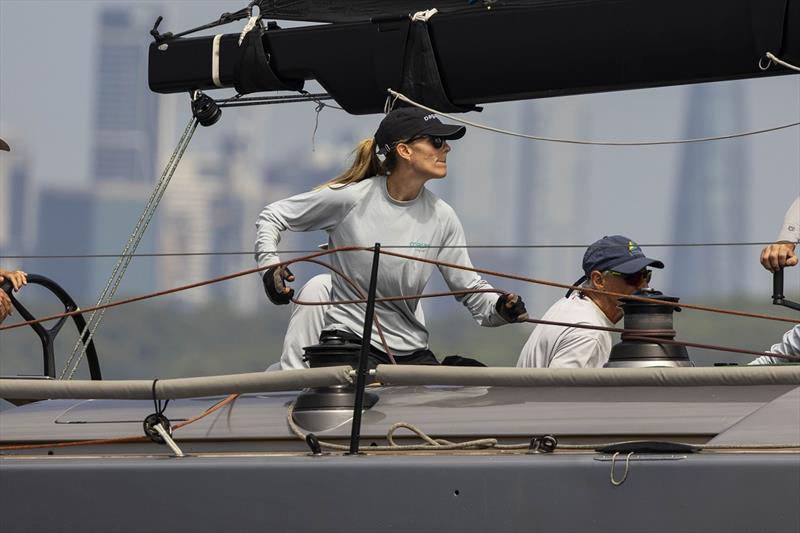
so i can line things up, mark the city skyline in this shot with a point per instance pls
(506, 191)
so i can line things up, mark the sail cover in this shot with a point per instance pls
(474, 55)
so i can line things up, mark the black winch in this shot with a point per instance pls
(654, 321)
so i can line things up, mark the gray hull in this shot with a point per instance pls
(714, 492)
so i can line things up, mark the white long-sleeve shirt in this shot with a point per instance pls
(790, 231)
(789, 345)
(362, 214)
(563, 347)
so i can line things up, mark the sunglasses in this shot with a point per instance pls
(436, 142)
(635, 278)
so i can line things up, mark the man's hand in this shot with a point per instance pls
(275, 279)
(17, 278)
(776, 256)
(511, 308)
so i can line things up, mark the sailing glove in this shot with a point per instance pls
(275, 279)
(511, 308)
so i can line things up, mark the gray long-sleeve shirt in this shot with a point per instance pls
(362, 214)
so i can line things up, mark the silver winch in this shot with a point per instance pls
(323, 408)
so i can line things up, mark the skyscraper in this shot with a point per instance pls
(126, 112)
(65, 220)
(16, 201)
(125, 142)
(710, 197)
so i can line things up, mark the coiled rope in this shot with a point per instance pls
(433, 444)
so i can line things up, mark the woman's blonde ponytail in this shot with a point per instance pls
(365, 165)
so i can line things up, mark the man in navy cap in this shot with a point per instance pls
(613, 264)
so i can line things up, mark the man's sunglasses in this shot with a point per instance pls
(635, 278)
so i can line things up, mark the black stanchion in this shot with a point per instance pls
(361, 376)
(777, 292)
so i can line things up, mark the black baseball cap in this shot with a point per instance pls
(405, 123)
(4, 145)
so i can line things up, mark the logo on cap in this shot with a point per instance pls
(632, 247)
(428, 117)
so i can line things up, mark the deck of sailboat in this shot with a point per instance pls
(739, 416)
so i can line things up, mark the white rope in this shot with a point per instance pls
(430, 444)
(406, 99)
(774, 59)
(493, 443)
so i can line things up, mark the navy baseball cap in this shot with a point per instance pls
(617, 253)
(405, 123)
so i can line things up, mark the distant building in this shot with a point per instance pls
(16, 202)
(126, 111)
(116, 207)
(710, 202)
(65, 228)
(126, 121)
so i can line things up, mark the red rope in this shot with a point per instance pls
(158, 294)
(311, 258)
(591, 290)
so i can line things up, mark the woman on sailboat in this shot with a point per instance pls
(386, 201)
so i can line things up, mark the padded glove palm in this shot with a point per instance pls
(275, 279)
(511, 308)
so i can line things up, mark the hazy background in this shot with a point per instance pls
(89, 139)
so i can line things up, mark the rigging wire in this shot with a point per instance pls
(305, 96)
(133, 242)
(392, 246)
(408, 100)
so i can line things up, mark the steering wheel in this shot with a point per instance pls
(48, 336)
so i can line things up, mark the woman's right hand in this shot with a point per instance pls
(275, 287)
